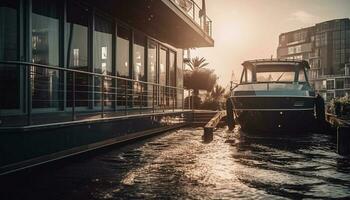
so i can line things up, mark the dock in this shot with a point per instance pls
(342, 127)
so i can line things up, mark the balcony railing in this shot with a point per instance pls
(193, 11)
(81, 95)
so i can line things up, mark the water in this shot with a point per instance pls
(180, 165)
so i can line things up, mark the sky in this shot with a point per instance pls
(249, 29)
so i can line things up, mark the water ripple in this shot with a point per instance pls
(179, 165)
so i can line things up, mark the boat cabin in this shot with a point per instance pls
(274, 71)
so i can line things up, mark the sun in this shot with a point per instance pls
(230, 32)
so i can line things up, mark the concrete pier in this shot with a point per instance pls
(343, 140)
(343, 133)
(212, 124)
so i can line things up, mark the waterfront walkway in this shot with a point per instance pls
(62, 117)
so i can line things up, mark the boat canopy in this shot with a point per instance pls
(280, 62)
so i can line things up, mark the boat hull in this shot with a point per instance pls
(274, 113)
(271, 121)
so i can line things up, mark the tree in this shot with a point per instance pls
(213, 100)
(218, 93)
(202, 79)
(199, 78)
(196, 63)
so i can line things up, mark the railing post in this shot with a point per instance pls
(192, 101)
(183, 100)
(29, 99)
(141, 102)
(153, 91)
(73, 97)
(163, 98)
(189, 99)
(173, 99)
(102, 97)
(126, 96)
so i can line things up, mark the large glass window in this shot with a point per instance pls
(162, 66)
(77, 53)
(152, 72)
(139, 68)
(9, 74)
(172, 67)
(123, 66)
(330, 84)
(163, 56)
(139, 57)
(103, 46)
(179, 78)
(339, 83)
(103, 60)
(123, 46)
(45, 50)
(172, 79)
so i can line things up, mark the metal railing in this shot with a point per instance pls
(192, 10)
(51, 87)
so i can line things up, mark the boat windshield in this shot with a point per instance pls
(275, 74)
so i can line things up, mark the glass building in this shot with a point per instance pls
(137, 59)
(95, 67)
(326, 46)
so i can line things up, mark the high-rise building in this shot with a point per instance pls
(326, 46)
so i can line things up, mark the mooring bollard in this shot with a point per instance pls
(343, 140)
(320, 109)
(208, 134)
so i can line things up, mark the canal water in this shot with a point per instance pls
(180, 165)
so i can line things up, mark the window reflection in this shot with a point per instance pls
(179, 78)
(77, 53)
(123, 46)
(139, 68)
(103, 60)
(152, 72)
(9, 74)
(139, 57)
(172, 78)
(163, 56)
(45, 50)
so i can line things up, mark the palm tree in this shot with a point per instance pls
(196, 63)
(217, 93)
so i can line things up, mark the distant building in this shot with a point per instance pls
(326, 46)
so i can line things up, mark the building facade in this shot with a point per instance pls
(113, 64)
(326, 46)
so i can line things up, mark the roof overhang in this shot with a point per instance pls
(160, 19)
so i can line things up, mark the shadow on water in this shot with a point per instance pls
(183, 164)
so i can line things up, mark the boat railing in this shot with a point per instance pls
(77, 95)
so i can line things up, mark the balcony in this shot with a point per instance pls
(176, 22)
(191, 9)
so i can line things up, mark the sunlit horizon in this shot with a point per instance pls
(245, 30)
